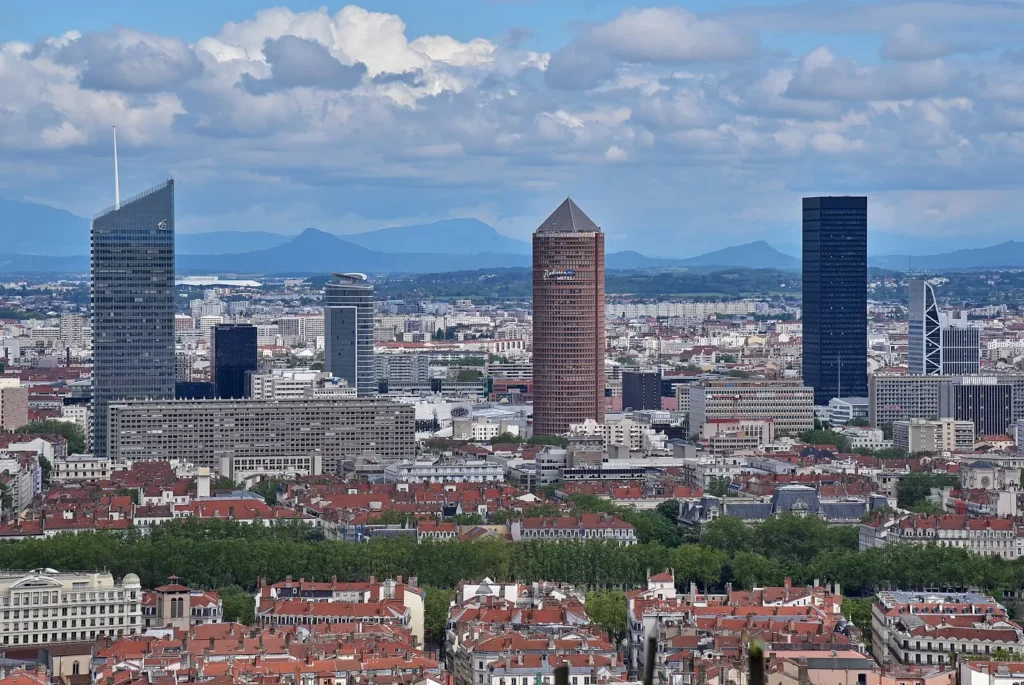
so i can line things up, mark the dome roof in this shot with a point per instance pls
(131, 579)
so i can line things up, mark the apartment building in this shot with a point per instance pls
(80, 467)
(13, 404)
(901, 398)
(989, 536)
(45, 607)
(444, 471)
(913, 628)
(789, 403)
(201, 432)
(599, 527)
(942, 435)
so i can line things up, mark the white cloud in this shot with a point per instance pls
(615, 154)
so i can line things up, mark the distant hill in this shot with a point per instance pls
(450, 236)
(226, 242)
(32, 229)
(1008, 255)
(755, 255)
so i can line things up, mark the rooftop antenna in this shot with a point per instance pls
(117, 181)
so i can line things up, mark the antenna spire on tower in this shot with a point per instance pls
(117, 181)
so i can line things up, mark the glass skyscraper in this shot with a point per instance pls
(835, 297)
(132, 304)
(234, 355)
(348, 332)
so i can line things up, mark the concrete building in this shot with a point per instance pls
(894, 398)
(984, 400)
(241, 469)
(51, 607)
(13, 404)
(568, 321)
(348, 322)
(789, 403)
(942, 435)
(364, 430)
(294, 384)
(403, 371)
(842, 410)
(939, 344)
(835, 292)
(80, 467)
(444, 471)
(132, 304)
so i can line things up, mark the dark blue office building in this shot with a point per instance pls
(132, 304)
(234, 357)
(835, 296)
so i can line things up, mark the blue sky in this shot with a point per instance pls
(679, 127)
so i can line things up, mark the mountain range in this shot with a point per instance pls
(37, 238)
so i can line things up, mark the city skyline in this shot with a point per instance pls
(692, 143)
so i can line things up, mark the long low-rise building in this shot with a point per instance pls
(202, 432)
(789, 404)
(444, 471)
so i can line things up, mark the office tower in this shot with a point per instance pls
(939, 344)
(348, 332)
(202, 432)
(641, 390)
(132, 303)
(568, 321)
(835, 291)
(13, 404)
(789, 404)
(987, 401)
(233, 356)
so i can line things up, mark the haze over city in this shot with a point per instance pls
(686, 127)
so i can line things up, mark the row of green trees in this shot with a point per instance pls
(223, 554)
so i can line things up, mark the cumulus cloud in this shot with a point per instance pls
(300, 62)
(128, 61)
(823, 75)
(671, 35)
(349, 110)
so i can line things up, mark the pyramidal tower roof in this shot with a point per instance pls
(568, 218)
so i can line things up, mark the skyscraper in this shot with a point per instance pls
(348, 332)
(132, 303)
(939, 344)
(568, 321)
(234, 356)
(835, 292)
(641, 390)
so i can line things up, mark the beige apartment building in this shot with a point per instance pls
(788, 403)
(45, 607)
(942, 435)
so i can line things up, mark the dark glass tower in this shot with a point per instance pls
(132, 304)
(234, 356)
(641, 390)
(348, 332)
(835, 296)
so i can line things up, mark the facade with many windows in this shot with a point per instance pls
(45, 606)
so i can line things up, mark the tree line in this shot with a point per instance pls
(228, 554)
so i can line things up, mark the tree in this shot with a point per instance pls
(859, 613)
(886, 430)
(6, 498)
(669, 509)
(927, 507)
(268, 489)
(239, 606)
(718, 486)
(435, 607)
(71, 431)
(916, 487)
(727, 533)
(468, 375)
(391, 518)
(608, 610)
(224, 483)
(551, 440)
(858, 421)
(46, 467)
(826, 437)
(506, 439)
